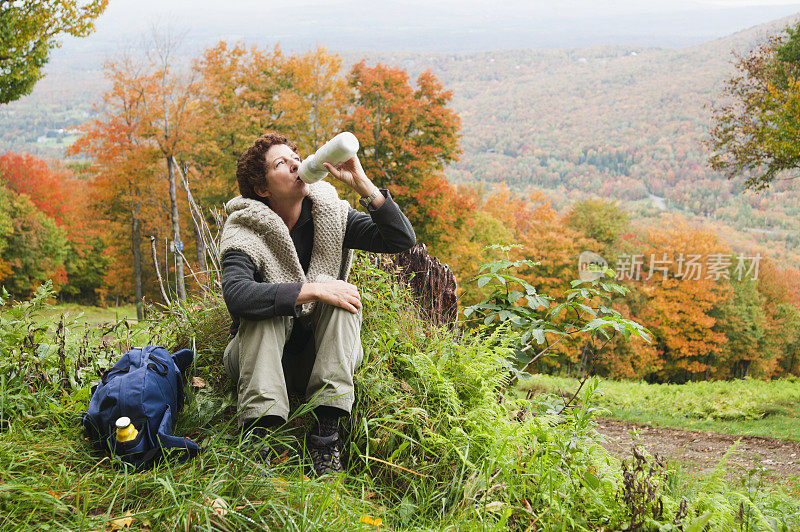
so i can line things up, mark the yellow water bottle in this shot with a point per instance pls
(125, 430)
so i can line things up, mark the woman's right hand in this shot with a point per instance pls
(337, 293)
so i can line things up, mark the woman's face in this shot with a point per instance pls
(283, 180)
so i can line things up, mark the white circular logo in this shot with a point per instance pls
(589, 266)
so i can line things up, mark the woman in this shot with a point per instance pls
(285, 262)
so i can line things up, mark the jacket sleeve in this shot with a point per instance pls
(249, 298)
(384, 230)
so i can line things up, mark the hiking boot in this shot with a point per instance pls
(255, 443)
(325, 452)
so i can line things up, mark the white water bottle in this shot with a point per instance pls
(336, 151)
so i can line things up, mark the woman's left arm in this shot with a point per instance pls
(384, 230)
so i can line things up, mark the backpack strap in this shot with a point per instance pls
(163, 444)
(169, 447)
(104, 376)
(174, 443)
(183, 359)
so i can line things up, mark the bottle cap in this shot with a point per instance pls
(123, 422)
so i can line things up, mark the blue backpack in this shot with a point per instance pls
(145, 385)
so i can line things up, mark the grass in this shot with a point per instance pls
(777, 426)
(434, 443)
(742, 407)
(91, 314)
(52, 477)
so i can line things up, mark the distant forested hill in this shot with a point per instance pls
(620, 122)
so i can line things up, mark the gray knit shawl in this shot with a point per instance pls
(254, 229)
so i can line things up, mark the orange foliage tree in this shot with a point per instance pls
(678, 298)
(408, 135)
(47, 188)
(63, 199)
(167, 105)
(237, 94)
(313, 99)
(125, 193)
(780, 290)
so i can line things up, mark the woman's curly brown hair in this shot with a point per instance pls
(251, 169)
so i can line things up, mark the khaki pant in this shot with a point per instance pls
(264, 373)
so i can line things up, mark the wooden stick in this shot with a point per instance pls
(158, 272)
(395, 465)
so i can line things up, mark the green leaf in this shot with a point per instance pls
(483, 281)
(700, 523)
(514, 296)
(519, 321)
(596, 324)
(590, 480)
(609, 310)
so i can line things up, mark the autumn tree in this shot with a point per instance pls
(779, 288)
(408, 135)
(313, 99)
(28, 33)
(482, 228)
(237, 93)
(32, 247)
(756, 127)
(678, 296)
(6, 229)
(62, 198)
(160, 100)
(48, 189)
(123, 163)
(168, 104)
(601, 220)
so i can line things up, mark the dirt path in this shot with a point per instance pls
(703, 450)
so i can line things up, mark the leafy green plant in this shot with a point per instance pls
(540, 321)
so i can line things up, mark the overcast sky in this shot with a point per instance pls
(432, 25)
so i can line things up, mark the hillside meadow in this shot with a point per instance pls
(436, 441)
(509, 165)
(105, 229)
(753, 407)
